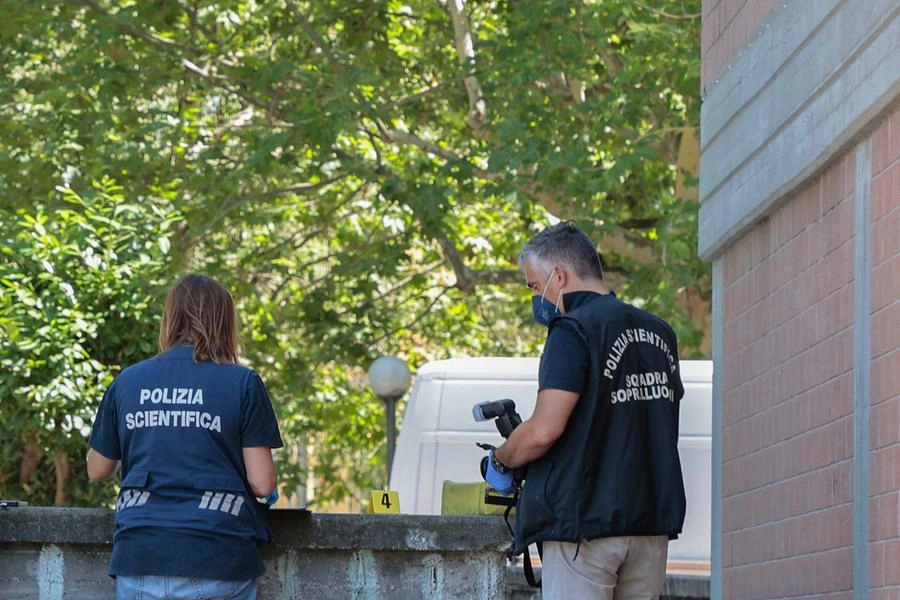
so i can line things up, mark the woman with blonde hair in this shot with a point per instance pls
(193, 432)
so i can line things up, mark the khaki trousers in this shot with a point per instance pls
(616, 568)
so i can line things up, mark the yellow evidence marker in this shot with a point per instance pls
(384, 502)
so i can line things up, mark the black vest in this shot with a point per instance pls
(615, 470)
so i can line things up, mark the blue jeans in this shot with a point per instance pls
(156, 587)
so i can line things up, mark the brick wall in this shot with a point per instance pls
(800, 128)
(787, 399)
(726, 26)
(885, 391)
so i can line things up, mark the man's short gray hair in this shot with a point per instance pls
(564, 244)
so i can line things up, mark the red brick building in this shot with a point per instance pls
(800, 216)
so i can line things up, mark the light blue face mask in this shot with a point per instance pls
(541, 310)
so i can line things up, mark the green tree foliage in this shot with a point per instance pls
(362, 174)
(80, 285)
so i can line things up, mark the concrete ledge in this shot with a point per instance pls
(421, 533)
(57, 525)
(291, 529)
(55, 553)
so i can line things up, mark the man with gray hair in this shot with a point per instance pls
(603, 493)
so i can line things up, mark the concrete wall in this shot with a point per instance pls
(800, 214)
(62, 553)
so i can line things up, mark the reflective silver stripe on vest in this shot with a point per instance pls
(130, 498)
(226, 503)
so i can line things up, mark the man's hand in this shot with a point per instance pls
(496, 475)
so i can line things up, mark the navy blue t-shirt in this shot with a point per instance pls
(168, 551)
(564, 362)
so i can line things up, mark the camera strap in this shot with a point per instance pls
(527, 567)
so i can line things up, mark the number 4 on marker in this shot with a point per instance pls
(384, 502)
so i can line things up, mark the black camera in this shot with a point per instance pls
(506, 419)
(502, 411)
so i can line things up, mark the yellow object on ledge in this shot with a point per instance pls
(467, 498)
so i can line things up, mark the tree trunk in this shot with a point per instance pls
(29, 454)
(61, 460)
(688, 165)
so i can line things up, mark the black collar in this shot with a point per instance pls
(573, 300)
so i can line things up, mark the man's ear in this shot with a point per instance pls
(562, 275)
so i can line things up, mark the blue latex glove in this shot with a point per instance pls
(502, 482)
(271, 498)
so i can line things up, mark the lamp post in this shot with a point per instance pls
(389, 378)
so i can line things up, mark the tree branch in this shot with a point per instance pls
(317, 39)
(152, 38)
(662, 13)
(498, 277)
(411, 98)
(465, 52)
(195, 20)
(639, 223)
(229, 85)
(464, 279)
(467, 279)
(293, 243)
(628, 245)
(622, 242)
(300, 189)
(409, 325)
(612, 61)
(405, 137)
(226, 83)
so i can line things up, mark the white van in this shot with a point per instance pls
(438, 435)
